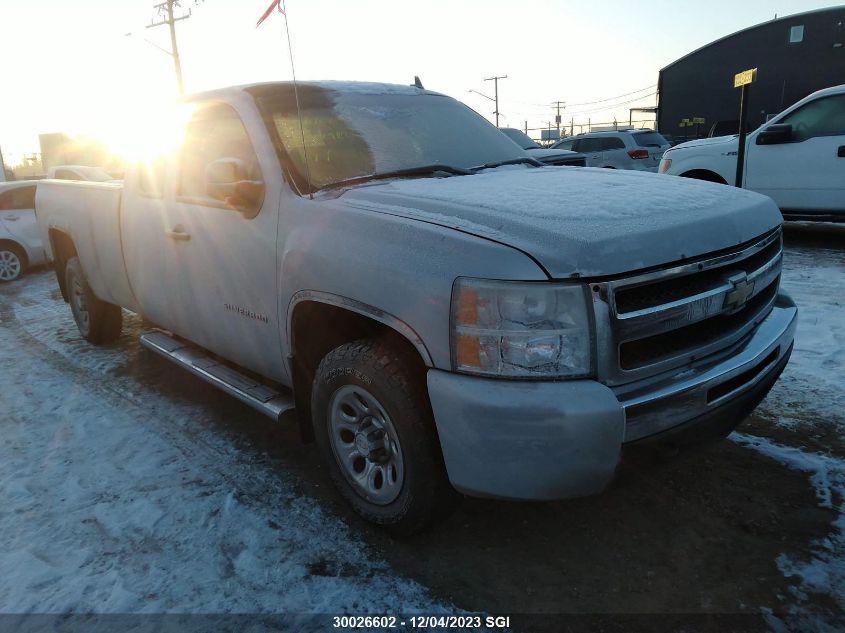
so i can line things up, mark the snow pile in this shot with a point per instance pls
(825, 571)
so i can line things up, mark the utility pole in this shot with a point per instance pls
(557, 116)
(165, 9)
(495, 81)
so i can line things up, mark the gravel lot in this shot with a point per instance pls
(130, 486)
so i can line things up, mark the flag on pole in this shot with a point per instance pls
(273, 5)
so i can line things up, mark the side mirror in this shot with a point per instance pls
(227, 180)
(775, 134)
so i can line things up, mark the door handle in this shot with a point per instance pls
(178, 233)
(12, 218)
(841, 152)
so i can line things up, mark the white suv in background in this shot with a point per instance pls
(619, 149)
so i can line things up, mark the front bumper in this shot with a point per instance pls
(556, 440)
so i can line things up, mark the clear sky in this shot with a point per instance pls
(69, 65)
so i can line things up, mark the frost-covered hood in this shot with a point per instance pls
(587, 222)
(705, 142)
(542, 154)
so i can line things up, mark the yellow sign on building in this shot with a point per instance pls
(745, 77)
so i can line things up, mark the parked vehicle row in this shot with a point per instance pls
(445, 314)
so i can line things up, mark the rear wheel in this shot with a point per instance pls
(98, 321)
(11, 263)
(375, 430)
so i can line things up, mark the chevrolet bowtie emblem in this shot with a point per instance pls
(738, 295)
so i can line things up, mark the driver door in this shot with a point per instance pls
(222, 250)
(806, 172)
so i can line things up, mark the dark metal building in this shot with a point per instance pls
(794, 55)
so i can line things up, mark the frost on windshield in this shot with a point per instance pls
(352, 133)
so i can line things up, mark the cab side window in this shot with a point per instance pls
(824, 117)
(564, 144)
(215, 135)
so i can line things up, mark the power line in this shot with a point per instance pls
(616, 97)
(614, 105)
(543, 105)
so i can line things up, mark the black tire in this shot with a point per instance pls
(99, 322)
(425, 494)
(12, 262)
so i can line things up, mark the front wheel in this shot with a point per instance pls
(98, 321)
(375, 430)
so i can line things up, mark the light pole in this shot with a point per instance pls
(495, 81)
(166, 9)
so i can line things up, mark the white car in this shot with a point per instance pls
(640, 150)
(797, 158)
(20, 244)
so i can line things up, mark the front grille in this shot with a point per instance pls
(675, 288)
(684, 340)
(662, 319)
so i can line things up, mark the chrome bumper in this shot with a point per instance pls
(666, 401)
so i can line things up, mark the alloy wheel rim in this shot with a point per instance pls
(10, 265)
(365, 444)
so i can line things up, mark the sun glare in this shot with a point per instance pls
(142, 131)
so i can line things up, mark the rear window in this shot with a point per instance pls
(649, 139)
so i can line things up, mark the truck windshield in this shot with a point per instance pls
(361, 130)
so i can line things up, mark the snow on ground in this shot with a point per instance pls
(810, 393)
(110, 509)
(812, 388)
(825, 571)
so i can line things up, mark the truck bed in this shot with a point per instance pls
(88, 212)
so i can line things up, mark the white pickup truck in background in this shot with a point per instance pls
(797, 158)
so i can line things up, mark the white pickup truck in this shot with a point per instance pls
(797, 158)
(443, 312)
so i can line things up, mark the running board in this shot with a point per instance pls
(268, 401)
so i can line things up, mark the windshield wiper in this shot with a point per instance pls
(410, 172)
(522, 160)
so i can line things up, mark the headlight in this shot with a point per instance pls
(665, 164)
(517, 329)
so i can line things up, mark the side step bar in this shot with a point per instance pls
(268, 401)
